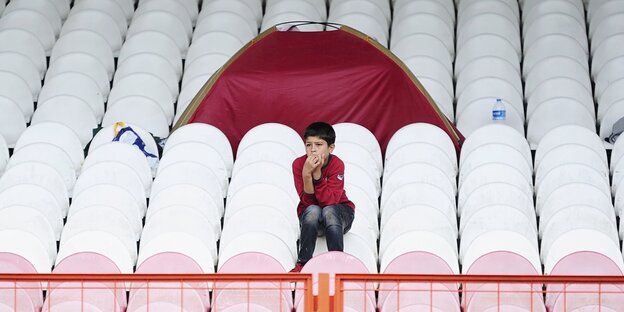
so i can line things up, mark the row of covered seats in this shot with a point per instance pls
(88, 43)
(261, 191)
(552, 76)
(418, 195)
(498, 230)
(606, 38)
(496, 164)
(280, 11)
(65, 156)
(422, 33)
(418, 216)
(82, 62)
(498, 227)
(66, 180)
(556, 77)
(32, 28)
(496, 218)
(488, 33)
(196, 162)
(159, 34)
(371, 17)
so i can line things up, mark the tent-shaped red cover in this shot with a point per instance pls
(296, 78)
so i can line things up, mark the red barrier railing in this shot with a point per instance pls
(275, 292)
(478, 292)
(152, 292)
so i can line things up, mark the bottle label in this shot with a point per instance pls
(498, 115)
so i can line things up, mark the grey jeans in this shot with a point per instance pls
(332, 221)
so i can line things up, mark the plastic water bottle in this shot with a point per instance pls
(499, 113)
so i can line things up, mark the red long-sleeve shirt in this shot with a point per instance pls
(328, 190)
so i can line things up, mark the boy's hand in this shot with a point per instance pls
(316, 174)
(310, 165)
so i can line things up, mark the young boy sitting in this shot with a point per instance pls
(323, 204)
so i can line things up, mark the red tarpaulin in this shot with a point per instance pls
(296, 78)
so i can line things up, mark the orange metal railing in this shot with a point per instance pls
(354, 292)
(537, 293)
(120, 286)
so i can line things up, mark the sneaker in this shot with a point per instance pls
(297, 268)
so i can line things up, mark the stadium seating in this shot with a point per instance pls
(261, 171)
(149, 64)
(539, 193)
(515, 297)
(20, 65)
(337, 262)
(225, 21)
(496, 213)
(439, 296)
(71, 111)
(48, 154)
(205, 134)
(99, 22)
(103, 295)
(146, 86)
(12, 121)
(76, 85)
(28, 296)
(140, 110)
(580, 295)
(548, 27)
(179, 219)
(33, 22)
(279, 11)
(111, 196)
(170, 262)
(162, 22)
(479, 42)
(369, 17)
(26, 44)
(420, 31)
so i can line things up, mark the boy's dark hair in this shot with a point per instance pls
(322, 130)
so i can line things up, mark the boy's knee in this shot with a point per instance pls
(330, 215)
(311, 214)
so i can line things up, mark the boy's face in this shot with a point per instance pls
(317, 146)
